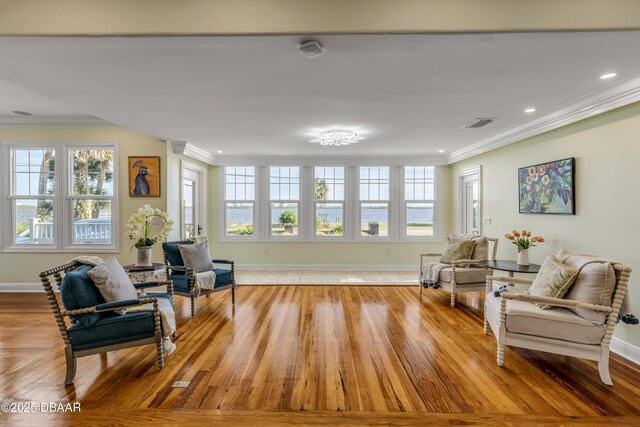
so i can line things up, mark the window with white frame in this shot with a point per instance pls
(284, 195)
(316, 203)
(33, 196)
(240, 196)
(329, 185)
(91, 196)
(50, 213)
(419, 199)
(374, 200)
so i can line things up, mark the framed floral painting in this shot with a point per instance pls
(547, 188)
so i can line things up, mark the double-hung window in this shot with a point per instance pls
(374, 200)
(420, 202)
(33, 197)
(61, 197)
(329, 200)
(91, 196)
(284, 195)
(240, 197)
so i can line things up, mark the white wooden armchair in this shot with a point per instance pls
(456, 278)
(517, 321)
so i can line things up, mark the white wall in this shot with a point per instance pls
(607, 220)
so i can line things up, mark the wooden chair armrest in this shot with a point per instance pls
(557, 302)
(506, 279)
(109, 306)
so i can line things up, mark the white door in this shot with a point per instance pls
(468, 200)
(193, 214)
(470, 204)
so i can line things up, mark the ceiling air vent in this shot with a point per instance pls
(478, 123)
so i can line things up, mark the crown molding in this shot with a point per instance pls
(185, 148)
(57, 121)
(614, 96)
(330, 161)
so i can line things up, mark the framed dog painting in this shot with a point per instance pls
(144, 176)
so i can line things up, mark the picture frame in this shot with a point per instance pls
(144, 176)
(547, 188)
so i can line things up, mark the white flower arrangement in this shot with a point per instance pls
(141, 223)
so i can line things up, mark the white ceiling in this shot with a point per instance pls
(410, 95)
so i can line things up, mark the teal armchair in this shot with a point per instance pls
(183, 277)
(89, 325)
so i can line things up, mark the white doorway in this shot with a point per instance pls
(468, 206)
(193, 201)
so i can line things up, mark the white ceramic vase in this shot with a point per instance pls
(144, 256)
(523, 257)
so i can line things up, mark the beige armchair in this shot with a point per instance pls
(463, 275)
(572, 327)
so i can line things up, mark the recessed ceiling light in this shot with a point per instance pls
(219, 151)
(530, 110)
(608, 76)
(21, 113)
(440, 151)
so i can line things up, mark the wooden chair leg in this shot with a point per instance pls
(71, 365)
(193, 306)
(486, 327)
(160, 351)
(233, 294)
(603, 368)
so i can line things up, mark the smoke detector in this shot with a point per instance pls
(478, 123)
(311, 48)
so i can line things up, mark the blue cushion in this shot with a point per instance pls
(172, 252)
(224, 277)
(112, 330)
(78, 291)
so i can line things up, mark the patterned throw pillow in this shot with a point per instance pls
(457, 250)
(113, 282)
(553, 280)
(196, 256)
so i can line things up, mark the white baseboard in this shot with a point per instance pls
(626, 350)
(372, 267)
(22, 287)
(330, 284)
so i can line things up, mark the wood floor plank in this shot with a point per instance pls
(313, 355)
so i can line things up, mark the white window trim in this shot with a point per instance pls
(62, 199)
(360, 201)
(202, 195)
(460, 175)
(222, 213)
(301, 188)
(351, 220)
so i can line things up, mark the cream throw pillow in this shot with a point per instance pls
(481, 248)
(457, 250)
(196, 256)
(553, 280)
(113, 282)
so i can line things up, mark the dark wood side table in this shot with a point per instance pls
(510, 267)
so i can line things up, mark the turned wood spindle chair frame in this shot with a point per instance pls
(453, 286)
(193, 291)
(59, 313)
(597, 352)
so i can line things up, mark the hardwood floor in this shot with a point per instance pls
(312, 355)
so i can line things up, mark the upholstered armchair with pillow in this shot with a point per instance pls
(456, 269)
(186, 262)
(89, 324)
(570, 308)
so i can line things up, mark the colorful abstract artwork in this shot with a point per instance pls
(547, 188)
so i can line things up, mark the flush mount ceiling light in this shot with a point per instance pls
(530, 110)
(338, 137)
(608, 76)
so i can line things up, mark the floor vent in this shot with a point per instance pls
(180, 384)
(478, 123)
